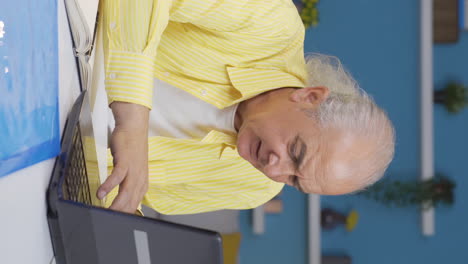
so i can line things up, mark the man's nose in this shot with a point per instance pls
(277, 169)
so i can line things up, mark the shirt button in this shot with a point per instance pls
(203, 92)
(112, 25)
(112, 75)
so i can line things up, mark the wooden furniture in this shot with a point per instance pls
(446, 21)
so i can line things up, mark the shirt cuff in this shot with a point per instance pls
(129, 78)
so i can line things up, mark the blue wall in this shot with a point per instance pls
(378, 41)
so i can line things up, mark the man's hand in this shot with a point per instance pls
(129, 147)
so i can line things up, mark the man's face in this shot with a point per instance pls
(279, 138)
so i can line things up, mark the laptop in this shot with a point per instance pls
(83, 233)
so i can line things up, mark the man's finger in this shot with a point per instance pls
(116, 177)
(122, 202)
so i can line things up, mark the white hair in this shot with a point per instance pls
(351, 110)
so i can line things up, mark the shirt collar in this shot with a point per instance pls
(253, 81)
(215, 136)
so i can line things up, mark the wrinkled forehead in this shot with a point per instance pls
(315, 170)
(329, 169)
(352, 162)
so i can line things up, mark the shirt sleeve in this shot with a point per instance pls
(132, 31)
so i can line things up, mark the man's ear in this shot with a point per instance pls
(313, 95)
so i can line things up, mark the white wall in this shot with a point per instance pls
(24, 233)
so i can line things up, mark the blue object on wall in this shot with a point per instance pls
(29, 123)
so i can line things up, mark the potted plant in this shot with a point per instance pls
(308, 11)
(429, 193)
(454, 97)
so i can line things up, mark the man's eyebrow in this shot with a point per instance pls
(299, 159)
(302, 152)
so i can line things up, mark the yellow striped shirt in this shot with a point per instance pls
(221, 51)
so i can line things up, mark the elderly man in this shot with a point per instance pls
(236, 112)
